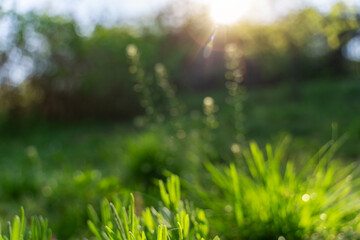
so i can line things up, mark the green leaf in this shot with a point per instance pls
(186, 226)
(94, 230)
(258, 158)
(105, 211)
(148, 219)
(15, 233)
(164, 195)
(124, 220)
(159, 233)
(118, 221)
(132, 213)
(22, 222)
(164, 233)
(93, 215)
(181, 237)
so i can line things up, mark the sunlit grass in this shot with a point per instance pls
(174, 219)
(266, 196)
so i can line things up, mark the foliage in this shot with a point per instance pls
(256, 197)
(271, 197)
(71, 72)
(148, 156)
(175, 219)
(38, 229)
(76, 164)
(67, 200)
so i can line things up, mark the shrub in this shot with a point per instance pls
(148, 157)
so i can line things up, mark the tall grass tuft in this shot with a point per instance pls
(18, 230)
(269, 197)
(174, 219)
(156, 93)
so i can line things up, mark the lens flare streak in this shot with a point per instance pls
(210, 45)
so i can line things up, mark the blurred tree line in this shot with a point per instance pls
(72, 76)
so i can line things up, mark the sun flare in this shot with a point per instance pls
(226, 11)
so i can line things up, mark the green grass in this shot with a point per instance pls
(19, 230)
(57, 169)
(173, 219)
(268, 196)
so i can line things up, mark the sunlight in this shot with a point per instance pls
(228, 11)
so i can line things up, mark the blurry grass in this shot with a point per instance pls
(49, 167)
(19, 230)
(271, 113)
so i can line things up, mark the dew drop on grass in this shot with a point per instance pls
(228, 208)
(323, 216)
(305, 197)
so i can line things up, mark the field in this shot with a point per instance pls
(179, 120)
(57, 169)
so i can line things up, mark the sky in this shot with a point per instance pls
(86, 12)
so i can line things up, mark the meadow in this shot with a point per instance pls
(57, 169)
(206, 127)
